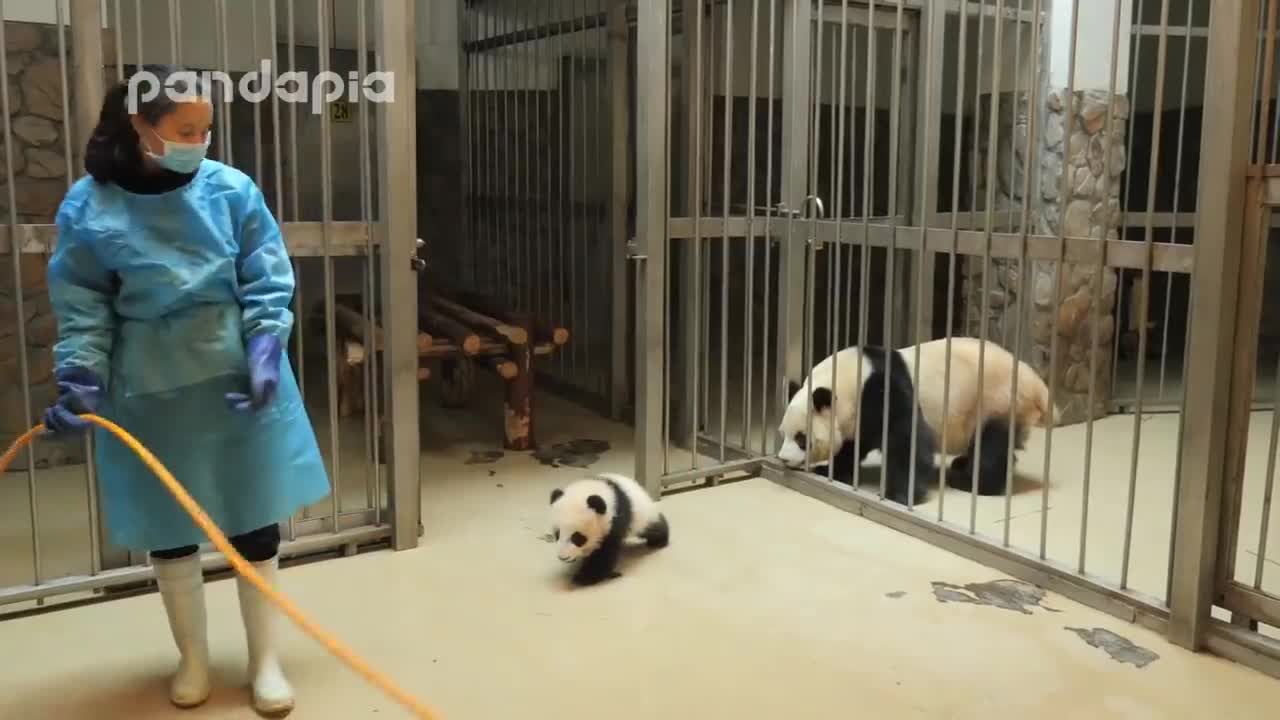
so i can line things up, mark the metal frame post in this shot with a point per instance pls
(619, 125)
(87, 66)
(685, 363)
(1233, 27)
(930, 33)
(652, 80)
(797, 33)
(398, 227)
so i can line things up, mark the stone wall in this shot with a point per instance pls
(35, 120)
(1089, 209)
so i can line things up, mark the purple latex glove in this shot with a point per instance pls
(264, 375)
(80, 391)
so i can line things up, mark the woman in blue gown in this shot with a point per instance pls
(172, 287)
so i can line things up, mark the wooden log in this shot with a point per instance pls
(517, 410)
(513, 334)
(506, 369)
(542, 331)
(355, 327)
(467, 341)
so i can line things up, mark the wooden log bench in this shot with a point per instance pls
(460, 336)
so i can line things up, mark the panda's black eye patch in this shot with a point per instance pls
(802, 441)
(557, 534)
(578, 539)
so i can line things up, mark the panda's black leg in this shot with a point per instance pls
(600, 565)
(900, 461)
(658, 534)
(994, 465)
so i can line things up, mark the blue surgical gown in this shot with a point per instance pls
(159, 294)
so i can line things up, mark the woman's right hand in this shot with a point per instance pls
(80, 392)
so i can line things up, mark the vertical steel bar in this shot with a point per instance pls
(65, 87)
(330, 290)
(749, 302)
(891, 258)
(725, 206)
(117, 26)
(993, 134)
(278, 181)
(228, 128)
(666, 376)
(797, 40)
(953, 252)
(1177, 466)
(577, 182)
(708, 199)
(373, 484)
(137, 32)
(397, 214)
(1064, 190)
(811, 242)
(24, 366)
(1224, 164)
(868, 207)
(257, 110)
(1177, 195)
(1033, 132)
(1096, 307)
(765, 383)
(834, 266)
(294, 186)
(977, 119)
(693, 286)
(562, 153)
(506, 128)
(935, 20)
(86, 38)
(651, 200)
(1162, 48)
(225, 134)
(600, 368)
(520, 178)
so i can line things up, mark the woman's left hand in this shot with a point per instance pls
(264, 375)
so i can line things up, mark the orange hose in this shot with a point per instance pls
(242, 566)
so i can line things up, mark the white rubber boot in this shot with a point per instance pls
(272, 694)
(182, 589)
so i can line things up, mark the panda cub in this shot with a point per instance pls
(836, 382)
(591, 518)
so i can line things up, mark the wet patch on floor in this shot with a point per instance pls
(580, 453)
(1120, 648)
(484, 457)
(896, 594)
(1013, 595)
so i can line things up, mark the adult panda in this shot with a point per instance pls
(968, 422)
(856, 389)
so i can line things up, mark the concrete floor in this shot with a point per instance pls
(766, 604)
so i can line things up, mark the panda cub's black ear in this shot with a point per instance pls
(595, 502)
(556, 495)
(793, 387)
(821, 399)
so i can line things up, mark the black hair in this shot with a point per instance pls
(113, 151)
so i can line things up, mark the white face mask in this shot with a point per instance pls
(181, 157)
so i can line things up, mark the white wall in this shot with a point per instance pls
(1094, 66)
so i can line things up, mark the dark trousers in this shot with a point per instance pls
(256, 546)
